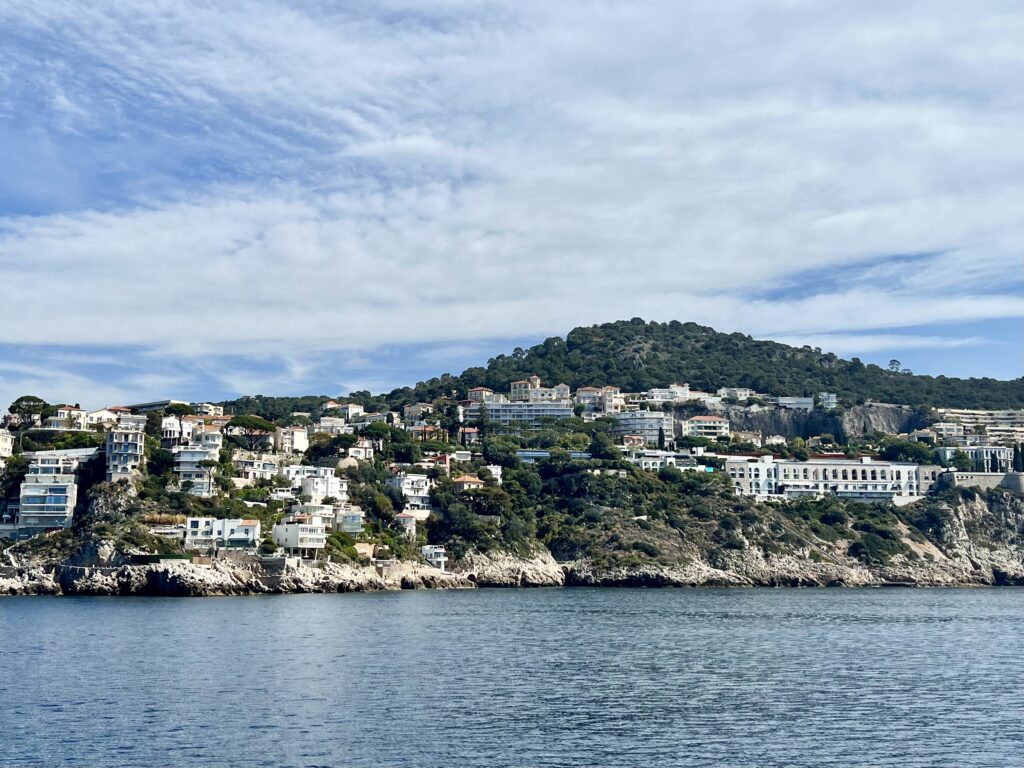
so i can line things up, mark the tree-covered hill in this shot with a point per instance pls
(636, 355)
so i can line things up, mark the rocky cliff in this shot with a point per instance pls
(222, 577)
(961, 538)
(852, 422)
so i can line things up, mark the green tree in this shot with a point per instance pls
(27, 408)
(1018, 458)
(603, 447)
(961, 462)
(253, 429)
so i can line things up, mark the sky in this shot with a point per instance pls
(201, 200)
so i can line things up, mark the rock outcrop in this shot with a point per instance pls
(853, 422)
(502, 569)
(221, 577)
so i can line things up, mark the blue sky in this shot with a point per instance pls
(210, 199)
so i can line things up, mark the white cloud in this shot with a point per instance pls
(451, 171)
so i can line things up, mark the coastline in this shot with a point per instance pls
(492, 570)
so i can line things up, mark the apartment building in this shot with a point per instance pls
(302, 535)
(985, 458)
(205, 446)
(997, 426)
(861, 479)
(50, 490)
(126, 446)
(648, 425)
(710, 427)
(506, 414)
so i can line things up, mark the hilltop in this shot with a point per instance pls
(636, 355)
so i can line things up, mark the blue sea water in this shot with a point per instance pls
(556, 677)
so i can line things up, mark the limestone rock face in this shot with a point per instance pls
(502, 569)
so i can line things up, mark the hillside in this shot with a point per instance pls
(636, 355)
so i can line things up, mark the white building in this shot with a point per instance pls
(435, 555)
(349, 518)
(711, 427)
(416, 490)
(479, 394)
(828, 400)
(653, 459)
(648, 425)
(861, 479)
(256, 467)
(794, 403)
(296, 473)
(291, 439)
(416, 412)
(126, 446)
(504, 413)
(530, 390)
(206, 532)
(333, 425)
(105, 417)
(981, 456)
(998, 426)
(350, 410)
(50, 490)
(6, 444)
(68, 417)
(175, 431)
(362, 450)
(302, 535)
(407, 522)
(321, 487)
(736, 393)
(208, 409)
(205, 446)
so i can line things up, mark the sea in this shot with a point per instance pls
(519, 677)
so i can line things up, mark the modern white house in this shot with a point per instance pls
(256, 466)
(68, 417)
(333, 425)
(175, 431)
(435, 555)
(126, 446)
(793, 403)
(231, 533)
(302, 535)
(416, 490)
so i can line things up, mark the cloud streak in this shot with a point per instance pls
(283, 179)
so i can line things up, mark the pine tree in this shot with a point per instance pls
(1018, 458)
